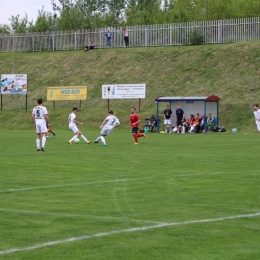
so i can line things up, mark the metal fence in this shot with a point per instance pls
(218, 31)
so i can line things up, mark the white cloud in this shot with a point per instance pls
(31, 7)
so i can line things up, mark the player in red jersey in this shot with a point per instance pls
(134, 122)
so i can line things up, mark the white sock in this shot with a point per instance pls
(73, 138)
(38, 143)
(84, 138)
(98, 139)
(191, 129)
(43, 141)
(103, 139)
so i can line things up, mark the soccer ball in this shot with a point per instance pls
(234, 130)
(76, 141)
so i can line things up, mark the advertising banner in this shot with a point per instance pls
(14, 84)
(67, 93)
(123, 91)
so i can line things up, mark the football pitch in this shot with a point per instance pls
(193, 196)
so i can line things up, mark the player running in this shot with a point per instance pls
(73, 127)
(107, 126)
(134, 122)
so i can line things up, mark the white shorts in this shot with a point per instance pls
(105, 131)
(41, 127)
(167, 121)
(74, 129)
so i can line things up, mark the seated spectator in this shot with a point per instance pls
(184, 126)
(191, 123)
(196, 123)
(152, 122)
(91, 46)
(201, 125)
(210, 122)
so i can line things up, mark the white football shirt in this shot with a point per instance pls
(112, 121)
(39, 113)
(71, 118)
(257, 116)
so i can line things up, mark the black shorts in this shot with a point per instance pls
(179, 122)
(135, 130)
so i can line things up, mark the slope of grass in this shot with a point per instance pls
(229, 71)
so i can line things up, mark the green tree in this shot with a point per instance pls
(5, 29)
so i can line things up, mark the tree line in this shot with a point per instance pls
(88, 14)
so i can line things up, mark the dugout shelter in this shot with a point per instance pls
(190, 105)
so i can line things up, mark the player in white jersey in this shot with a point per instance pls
(257, 116)
(73, 127)
(107, 126)
(40, 120)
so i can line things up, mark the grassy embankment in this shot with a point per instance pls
(229, 71)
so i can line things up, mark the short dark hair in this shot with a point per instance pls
(111, 112)
(39, 100)
(74, 108)
(255, 105)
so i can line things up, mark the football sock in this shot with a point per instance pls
(98, 139)
(103, 139)
(84, 138)
(140, 135)
(73, 138)
(43, 141)
(50, 131)
(38, 143)
(135, 137)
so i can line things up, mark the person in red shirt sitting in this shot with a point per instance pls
(134, 122)
(191, 122)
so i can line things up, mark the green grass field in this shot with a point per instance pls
(194, 196)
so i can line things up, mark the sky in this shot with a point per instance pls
(15, 7)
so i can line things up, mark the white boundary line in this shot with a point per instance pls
(115, 232)
(41, 213)
(115, 181)
(71, 185)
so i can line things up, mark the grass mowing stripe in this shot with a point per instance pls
(70, 185)
(114, 232)
(115, 181)
(78, 216)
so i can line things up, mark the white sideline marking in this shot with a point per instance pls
(115, 181)
(79, 216)
(73, 239)
(71, 185)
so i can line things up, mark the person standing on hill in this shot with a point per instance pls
(134, 123)
(126, 37)
(257, 116)
(40, 121)
(73, 127)
(108, 38)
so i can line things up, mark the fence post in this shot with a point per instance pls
(170, 34)
(219, 31)
(33, 42)
(100, 41)
(53, 41)
(145, 37)
(75, 40)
